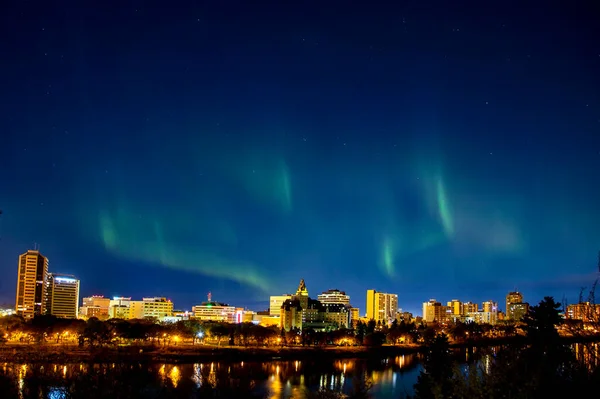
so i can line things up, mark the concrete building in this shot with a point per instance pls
(334, 296)
(214, 311)
(586, 312)
(275, 302)
(31, 284)
(381, 307)
(354, 316)
(512, 298)
(119, 308)
(291, 315)
(456, 307)
(62, 295)
(490, 312)
(95, 306)
(338, 314)
(434, 311)
(469, 307)
(155, 308)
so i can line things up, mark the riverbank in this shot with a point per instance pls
(189, 354)
(205, 353)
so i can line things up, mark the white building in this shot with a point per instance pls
(334, 296)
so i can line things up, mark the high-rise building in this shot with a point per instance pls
(490, 312)
(31, 284)
(381, 306)
(62, 295)
(512, 298)
(434, 311)
(469, 307)
(334, 296)
(456, 307)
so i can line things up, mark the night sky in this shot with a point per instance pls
(425, 149)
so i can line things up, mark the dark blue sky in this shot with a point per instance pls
(426, 149)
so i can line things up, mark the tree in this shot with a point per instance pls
(361, 330)
(435, 380)
(371, 325)
(219, 331)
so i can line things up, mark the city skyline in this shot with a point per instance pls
(377, 305)
(416, 149)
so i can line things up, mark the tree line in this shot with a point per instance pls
(543, 365)
(95, 332)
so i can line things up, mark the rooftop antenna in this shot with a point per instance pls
(209, 297)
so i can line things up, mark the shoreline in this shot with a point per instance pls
(34, 353)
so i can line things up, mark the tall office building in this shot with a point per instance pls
(455, 307)
(381, 307)
(31, 284)
(511, 299)
(334, 296)
(62, 295)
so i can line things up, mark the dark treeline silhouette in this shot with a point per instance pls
(98, 333)
(542, 365)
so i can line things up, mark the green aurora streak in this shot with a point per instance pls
(132, 239)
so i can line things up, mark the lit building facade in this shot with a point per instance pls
(214, 311)
(156, 308)
(354, 316)
(381, 307)
(490, 312)
(95, 306)
(119, 308)
(31, 284)
(291, 315)
(334, 296)
(512, 298)
(275, 302)
(434, 311)
(586, 312)
(338, 314)
(62, 295)
(456, 307)
(469, 307)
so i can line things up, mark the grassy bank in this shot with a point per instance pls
(187, 354)
(204, 353)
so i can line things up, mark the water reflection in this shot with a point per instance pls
(588, 354)
(278, 379)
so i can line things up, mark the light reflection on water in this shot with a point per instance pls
(277, 379)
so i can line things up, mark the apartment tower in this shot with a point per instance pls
(62, 296)
(31, 284)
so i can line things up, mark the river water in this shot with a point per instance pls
(392, 377)
(389, 378)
